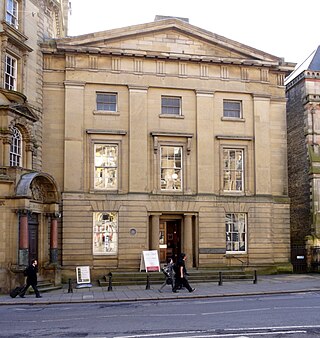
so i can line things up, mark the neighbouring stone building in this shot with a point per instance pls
(303, 116)
(29, 196)
(166, 136)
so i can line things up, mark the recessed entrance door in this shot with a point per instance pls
(33, 236)
(170, 240)
(174, 239)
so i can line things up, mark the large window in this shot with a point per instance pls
(232, 109)
(105, 233)
(107, 102)
(233, 170)
(10, 73)
(171, 168)
(236, 224)
(12, 13)
(16, 148)
(170, 105)
(106, 166)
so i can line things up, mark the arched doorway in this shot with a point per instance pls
(38, 209)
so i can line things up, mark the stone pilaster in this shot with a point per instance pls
(187, 240)
(23, 238)
(155, 226)
(54, 241)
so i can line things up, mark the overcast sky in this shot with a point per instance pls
(284, 28)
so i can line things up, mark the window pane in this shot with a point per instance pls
(232, 109)
(10, 73)
(107, 101)
(106, 167)
(170, 105)
(105, 233)
(171, 168)
(12, 13)
(16, 148)
(236, 232)
(232, 169)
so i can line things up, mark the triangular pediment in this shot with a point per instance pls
(16, 103)
(24, 110)
(165, 38)
(168, 41)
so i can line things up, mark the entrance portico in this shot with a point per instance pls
(29, 225)
(37, 205)
(172, 234)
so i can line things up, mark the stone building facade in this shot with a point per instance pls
(164, 136)
(303, 115)
(29, 197)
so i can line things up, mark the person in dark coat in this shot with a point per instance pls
(32, 279)
(181, 273)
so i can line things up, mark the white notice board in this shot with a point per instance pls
(83, 274)
(150, 261)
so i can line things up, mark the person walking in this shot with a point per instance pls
(32, 280)
(181, 273)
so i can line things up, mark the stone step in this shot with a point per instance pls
(45, 286)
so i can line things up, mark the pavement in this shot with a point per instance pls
(269, 284)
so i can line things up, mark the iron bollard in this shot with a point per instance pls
(110, 281)
(148, 282)
(220, 278)
(70, 289)
(255, 278)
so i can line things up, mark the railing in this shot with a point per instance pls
(147, 279)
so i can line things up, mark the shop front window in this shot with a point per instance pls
(236, 232)
(105, 233)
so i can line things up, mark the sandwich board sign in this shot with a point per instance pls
(149, 261)
(83, 276)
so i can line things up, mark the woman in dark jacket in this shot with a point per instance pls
(180, 276)
(32, 279)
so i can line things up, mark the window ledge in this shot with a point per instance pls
(105, 255)
(167, 192)
(233, 119)
(171, 192)
(232, 193)
(171, 116)
(105, 112)
(104, 192)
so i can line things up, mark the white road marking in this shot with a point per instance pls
(234, 311)
(221, 335)
(291, 327)
(295, 307)
(218, 301)
(160, 334)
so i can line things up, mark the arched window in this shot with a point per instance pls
(16, 148)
